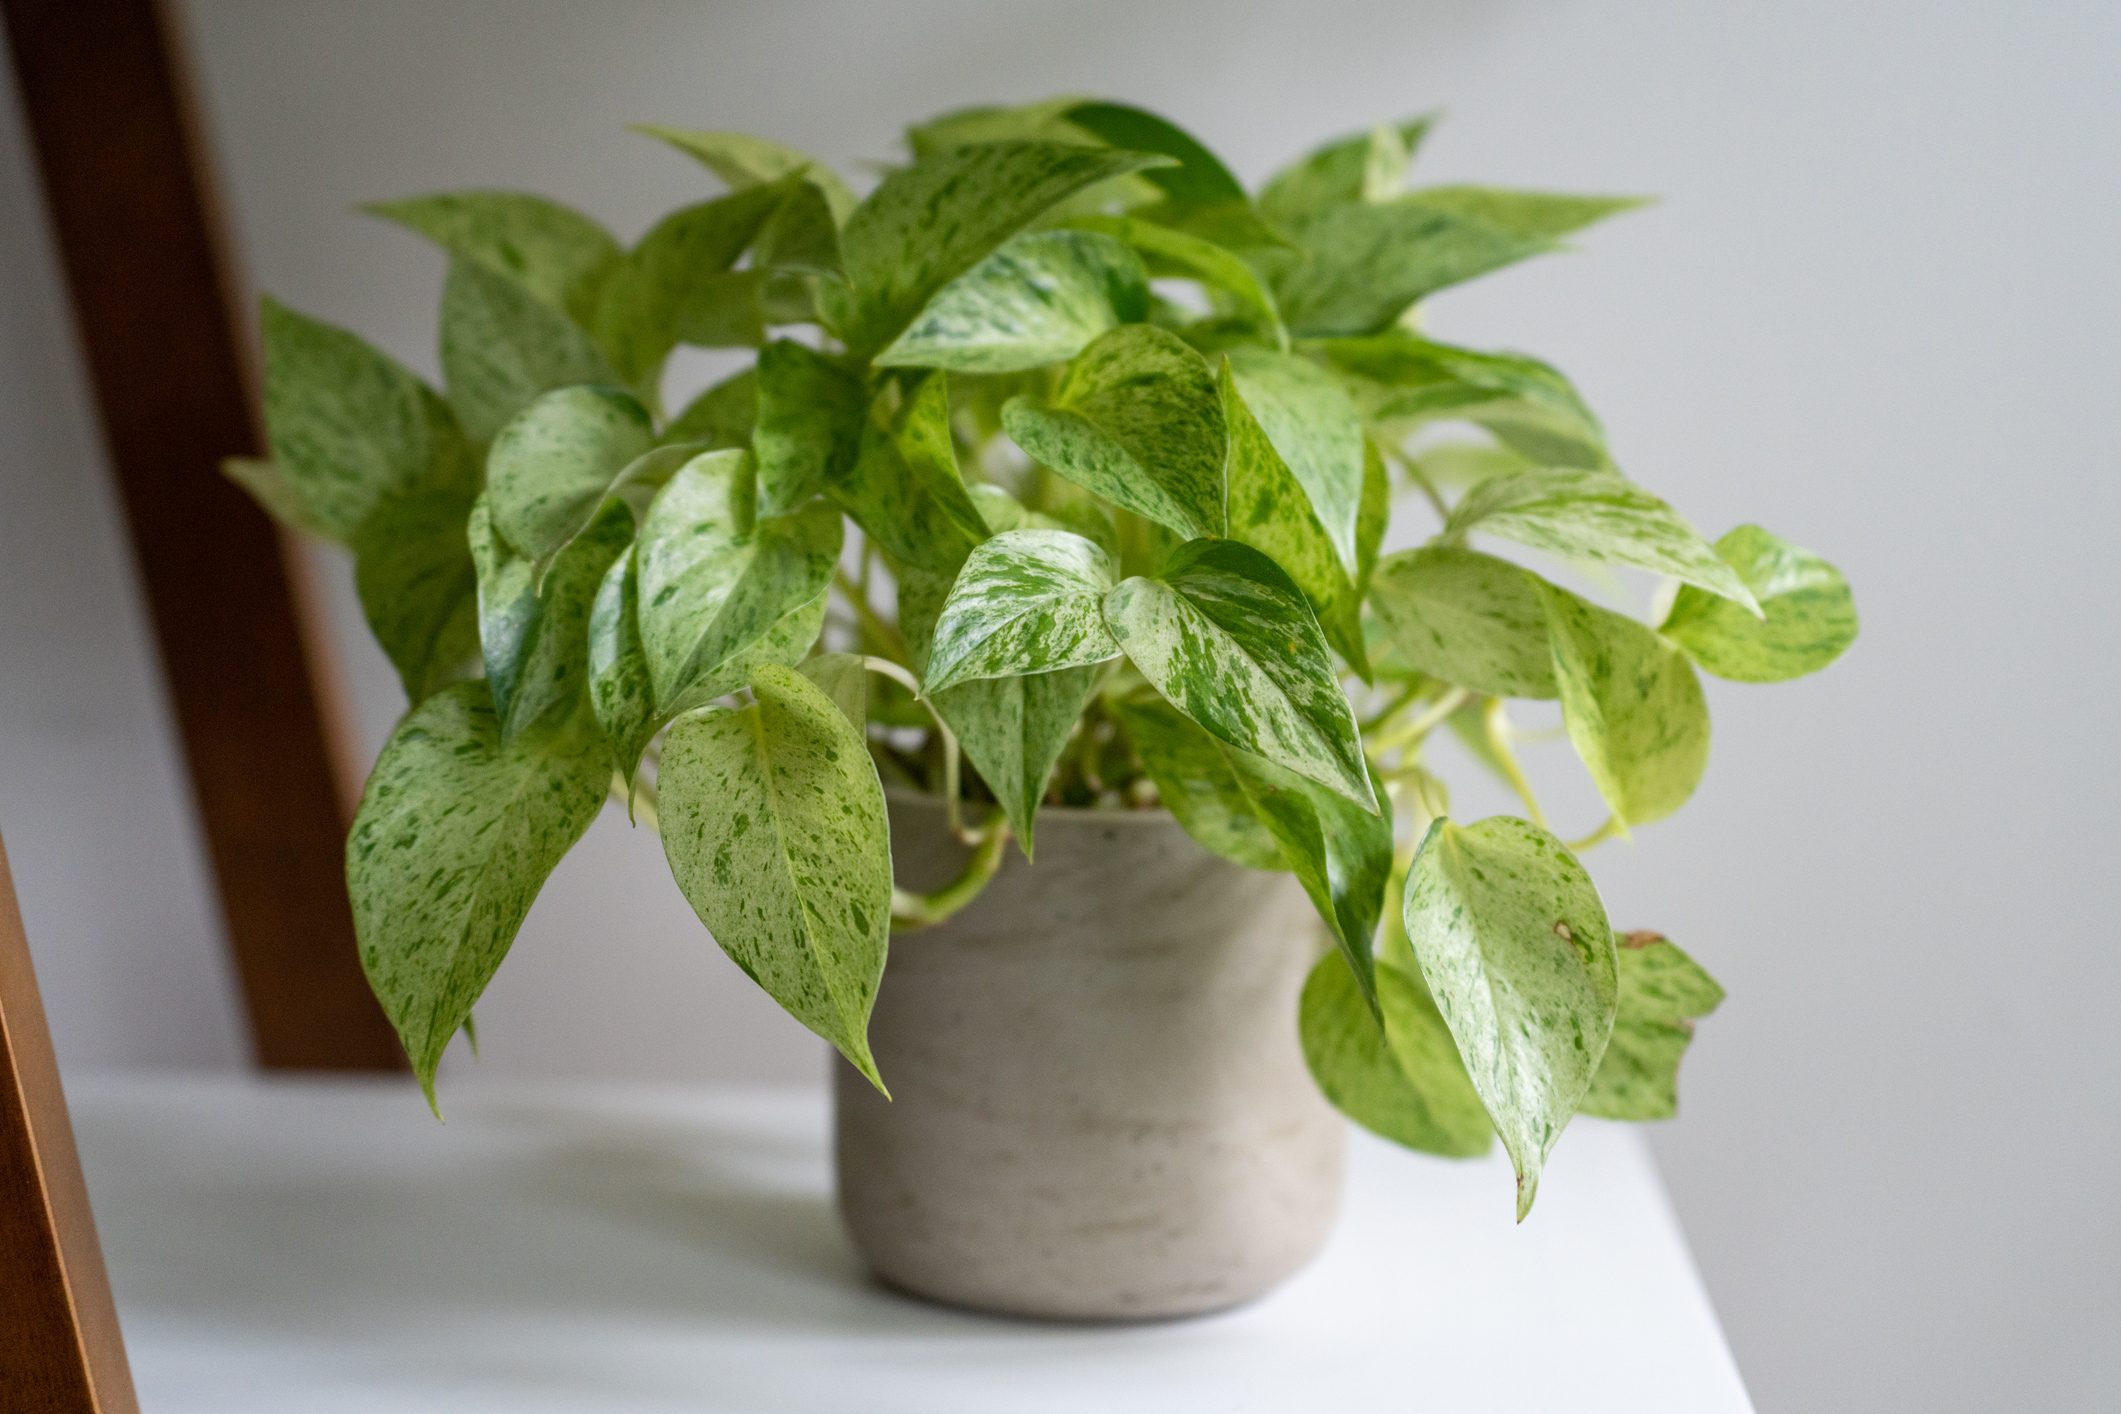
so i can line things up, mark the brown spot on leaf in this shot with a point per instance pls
(1641, 938)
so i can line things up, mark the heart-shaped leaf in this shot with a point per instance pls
(1810, 616)
(905, 489)
(502, 346)
(810, 412)
(1530, 215)
(1314, 427)
(1196, 782)
(1401, 1079)
(1026, 601)
(723, 415)
(1362, 266)
(1662, 991)
(556, 461)
(1514, 945)
(1137, 420)
(418, 586)
(1365, 166)
(677, 285)
(535, 638)
(456, 833)
(1037, 300)
(1466, 618)
(1225, 635)
(1402, 379)
(773, 822)
(1178, 254)
(742, 161)
(557, 253)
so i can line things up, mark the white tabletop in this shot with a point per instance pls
(326, 1247)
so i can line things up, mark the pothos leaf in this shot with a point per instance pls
(1197, 783)
(677, 285)
(1037, 300)
(418, 587)
(1662, 991)
(502, 346)
(742, 161)
(1515, 948)
(773, 822)
(1171, 252)
(904, 488)
(535, 640)
(1026, 601)
(1365, 166)
(456, 833)
(557, 253)
(1531, 215)
(810, 412)
(724, 415)
(1401, 1079)
(1314, 427)
(1226, 637)
(1466, 618)
(1810, 616)
(556, 461)
(843, 678)
(1362, 266)
(621, 694)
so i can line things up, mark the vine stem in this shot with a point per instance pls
(912, 910)
(1420, 479)
(1611, 829)
(1424, 722)
(1495, 722)
(886, 636)
(952, 807)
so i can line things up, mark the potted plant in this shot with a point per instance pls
(1057, 522)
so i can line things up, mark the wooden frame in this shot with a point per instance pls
(60, 1351)
(104, 96)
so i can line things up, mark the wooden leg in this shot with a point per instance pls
(60, 1351)
(104, 96)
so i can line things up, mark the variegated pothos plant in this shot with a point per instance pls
(1118, 440)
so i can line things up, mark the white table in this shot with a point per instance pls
(307, 1247)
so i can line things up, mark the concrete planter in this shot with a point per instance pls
(1101, 1111)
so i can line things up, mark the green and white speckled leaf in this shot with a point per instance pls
(1199, 192)
(268, 483)
(723, 415)
(555, 462)
(1037, 300)
(722, 588)
(1632, 705)
(1340, 853)
(844, 678)
(1371, 518)
(349, 426)
(418, 586)
(1178, 254)
(620, 693)
(1515, 948)
(1529, 215)
(1026, 601)
(1662, 991)
(556, 252)
(1402, 1079)
(1198, 784)
(535, 637)
(1012, 730)
(1466, 618)
(1403, 379)
(773, 822)
(677, 285)
(1225, 635)
(1271, 511)
(502, 346)
(1366, 166)
(1313, 425)
(742, 161)
(1810, 614)
(811, 407)
(1598, 516)
(905, 489)
(1362, 266)
(929, 223)
(456, 833)
(1137, 420)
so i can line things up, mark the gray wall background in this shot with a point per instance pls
(1876, 311)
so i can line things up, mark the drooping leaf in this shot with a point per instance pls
(1137, 420)
(722, 416)
(1466, 618)
(1037, 300)
(1810, 614)
(927, 224)
(1632, 706)
(1598, 516)
(349, 426)
(1314, 427)
(723, 588)
(1170, 252)
(1197, 783)
(555, 462)
(1365, 166)
(1515, 948)
(1662, 991)
(455, 835)
(621, 694)
(535, 640)
(845, 679)
(810, 413)
(1529, 215)
(1404, 379)
(1401, 1079)
(905, 489)
(1271, 511)
(554, 251)
(418, 587)
(742, 161)
(677, 285)
(1225, 635)
(502, 346)
(1026, 601)
(773, 822)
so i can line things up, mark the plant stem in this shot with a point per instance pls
(1423, 722)
(912, 910)
(1611, 829)
(951, 791)
(1420, 479)
(886, 637)
(1495, 721)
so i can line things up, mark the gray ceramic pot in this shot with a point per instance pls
(1101, 1111)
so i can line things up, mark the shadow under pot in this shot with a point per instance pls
(1101, 1107)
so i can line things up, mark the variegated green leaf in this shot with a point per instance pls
(1199, 193)
(722, 588)
(677, 285)
(1402, 1079)
(1632, 706)
(455, 835)
(1174, 253)
(1515, 948)
(742, 161)
(419, 589)
(1400, 378)
(1810, 614)
(1137, 420)
(1037, 300)
(535, 638)
(1466, 618)
(1197, 783)
(773, 822)
(268, 484)
(1598, 516)
(927, 224)
(1530, 215)
(1662, 991)
(811, 407)
(502, 346)
(556, 252)
(844, 678)
(1362, 266)
(905, 489)
(620, 692)
(1226, 637)
(1366, 166)
(555, 462)
(722, 416)
(1314, 427)
(1026, 601)
(1371, 518)
(1271, 511)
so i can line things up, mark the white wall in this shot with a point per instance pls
(1877, 311)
